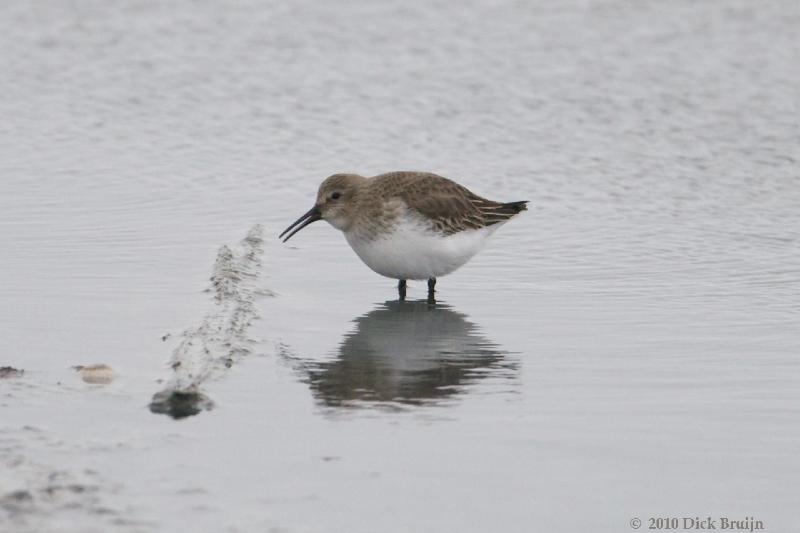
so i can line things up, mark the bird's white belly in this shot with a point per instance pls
(412, 251)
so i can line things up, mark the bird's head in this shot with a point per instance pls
(335, 204)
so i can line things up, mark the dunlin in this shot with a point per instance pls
(407, 225)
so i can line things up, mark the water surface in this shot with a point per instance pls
(626, 348)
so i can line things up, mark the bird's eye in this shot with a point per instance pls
(336, 195)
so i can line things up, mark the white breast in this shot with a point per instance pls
(413, 251)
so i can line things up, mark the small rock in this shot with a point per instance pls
(96, 374)
(10, 372)
(180, 403)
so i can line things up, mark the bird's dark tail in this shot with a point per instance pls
(494, 212)
(516, 207)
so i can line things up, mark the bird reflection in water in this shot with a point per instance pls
(406, 353)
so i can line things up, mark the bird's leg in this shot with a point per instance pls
(431, 290)
(401, 289)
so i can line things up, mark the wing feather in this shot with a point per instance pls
(450, 206)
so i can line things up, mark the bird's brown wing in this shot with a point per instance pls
(450, 206)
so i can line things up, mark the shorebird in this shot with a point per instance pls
(407, 225)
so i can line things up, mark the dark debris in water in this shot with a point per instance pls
(74, 488)
(180, 403)
(18, 496)
(220, 338)
(17, 502)
(10, 372)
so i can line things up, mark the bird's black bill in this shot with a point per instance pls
(312, 216)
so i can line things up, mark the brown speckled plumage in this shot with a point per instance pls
(450, 207)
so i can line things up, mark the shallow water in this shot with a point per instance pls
(626, 348)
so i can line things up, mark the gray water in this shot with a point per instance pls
(627, 348)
